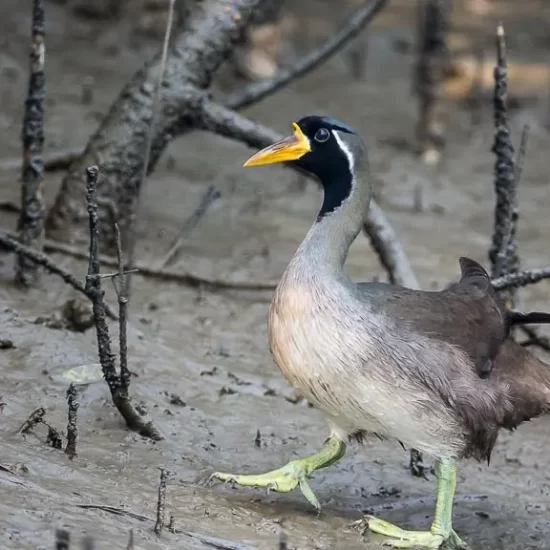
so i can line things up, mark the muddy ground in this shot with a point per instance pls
(210, 349)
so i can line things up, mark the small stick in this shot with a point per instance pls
(130, 545)
(11, 243)
(54, 160)
(35, 418)
(503, 252)
(119, 391)
(62, 539)
(176, 276)
(31, 218)
(535, 339)
(283, 541)
(207, 200)
(53, 439)
(521, 278)
(161, 502)
(72, 430)
(416, 464)
(122, 315)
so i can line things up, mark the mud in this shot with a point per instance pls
(203, 369)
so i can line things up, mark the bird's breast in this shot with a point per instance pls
(304, 330)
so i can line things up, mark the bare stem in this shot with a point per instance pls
(161, 502)
(521, 278)
(122, 315)
(208, 198)
(72, 430)
(31, 218)
(119, 391)
(503, 253)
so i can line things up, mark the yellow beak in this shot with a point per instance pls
(289, 148)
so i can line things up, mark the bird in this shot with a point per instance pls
(437, 371)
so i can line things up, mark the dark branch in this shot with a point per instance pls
(118, 389)
(11, 243)
(503, 253)
(145, 270)
(161, 502)
(62, 539)
(521, 278)
(122, 295)
(31, 219)
(72, 430)
(534, 338)
(35, 418)
(259, 90)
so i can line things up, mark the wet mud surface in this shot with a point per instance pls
(204, 374)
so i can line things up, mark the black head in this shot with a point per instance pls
(322, 146)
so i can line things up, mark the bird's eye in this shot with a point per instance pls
(322, 135)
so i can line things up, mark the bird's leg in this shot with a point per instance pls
(441, 530)
(296, 472)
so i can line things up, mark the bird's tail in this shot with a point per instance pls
(528, 382)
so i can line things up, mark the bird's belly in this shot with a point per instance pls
(346, 375)
(319, 360)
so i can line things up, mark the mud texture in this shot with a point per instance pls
(203, 369)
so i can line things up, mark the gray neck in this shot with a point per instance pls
(328, 241)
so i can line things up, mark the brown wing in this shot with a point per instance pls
(467, 314)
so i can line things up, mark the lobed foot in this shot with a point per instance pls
(282, 480)
(401, 538)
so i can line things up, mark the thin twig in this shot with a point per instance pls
(122, 315)
(161, 502)
(35, 418)
(113, 510)
(503, 252)
(520, 159)
(180, 277)
(119, 392)
(72, 430)
(53, 160)
(416, 464)
(132, 230)
(208, 198)
(521, 278)
(11, 243)
(534, 338)
(259, 90)
(31, 219)
(214, 542)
